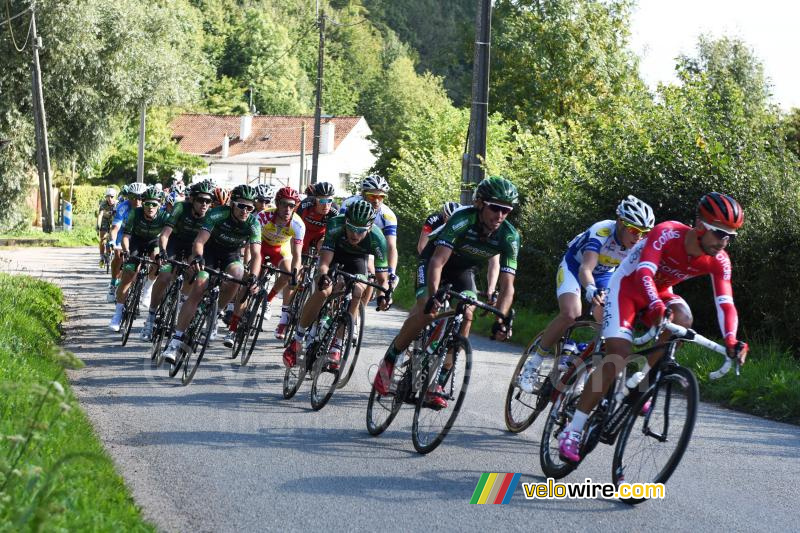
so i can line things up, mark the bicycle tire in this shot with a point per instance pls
(561, 412)
(321, 393)
(355, 349)
(294, 314)
(160, 327)
(253, 330)
(376, 406)
(243, 328)
(662, 396)
(515, 396)
(131, 308)
(421, 439)
(293, 378)
(201, 340)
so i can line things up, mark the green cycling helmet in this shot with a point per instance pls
(152, 194)
(203, 187)
(498, 189)
(244, 192)
(360, 214)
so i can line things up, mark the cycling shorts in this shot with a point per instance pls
(141, 248)
(177, 250)
(105, 224)
(624, 300)
(462, 280)
(352, 264)
(567, 281)
(275, 254)
(219, 260)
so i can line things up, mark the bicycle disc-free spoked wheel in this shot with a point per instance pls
(522, 408)
(248, 330)
(382, 410)
(294, 314)
(294, 377)
(199, 341)
(162, 324)
(349, 365)
(324, 373)
(561, 413)
(131, 309)
(650, 446)
(431, 424)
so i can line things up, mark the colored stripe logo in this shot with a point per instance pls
(495, 488)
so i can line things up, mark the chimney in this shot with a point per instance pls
(245, 127)
(225, 146)
(326, 135)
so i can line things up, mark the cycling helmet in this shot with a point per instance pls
(124, 190)
(287, 193)
(221, 195)
(717, 208)
(158, 187)
(178, 188)
(499, 189)
(374, 183)
(173, 198)
(151, 193)
(324, 188)
(244, 192)
(636, 212)
(265, 192)
(449, 208)
(309, 190)
(137, 189)
(202, 187)
(111, 191)
(360, 213)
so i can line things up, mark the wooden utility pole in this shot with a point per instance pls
(140, 158)
(40, 126)
(318, 109)
(301, 183)
(472, 170)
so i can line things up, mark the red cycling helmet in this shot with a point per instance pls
(222, 195)
(287, 193)
(720, 209)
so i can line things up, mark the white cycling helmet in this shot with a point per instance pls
(374, 182)
(449, 208)
(265, 192)
(636, 212)
(111, 191)
(136, 188)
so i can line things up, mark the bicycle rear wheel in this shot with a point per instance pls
(325, 374)
(355, 349)
(249, 328)
(522, 408)
(294, 377)
(131, 308)
(561, 413)
(199, 340)
(431, 425)
(382, 410)
(294, 314)
(650, 446)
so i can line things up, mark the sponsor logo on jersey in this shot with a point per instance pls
(604, 232)
(726, 265)
(667, 234)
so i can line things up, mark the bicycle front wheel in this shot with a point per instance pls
(199, 341)
(438, 406)
(654, 438)
(355, 349)
(382, 410)
(131, 309)
(325, 372)
(522, 408)
(561, 413)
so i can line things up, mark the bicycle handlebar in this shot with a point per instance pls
(292, 274)
(446, 291)
(336, 272)
(690, 335)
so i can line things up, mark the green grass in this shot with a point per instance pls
(54, 473)
(82, 234)
(769, 384)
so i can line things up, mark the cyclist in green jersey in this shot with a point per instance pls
(140, 236)
(175, 242)
(349, 241)
(105, 212)
(469, 239)
(226, 230)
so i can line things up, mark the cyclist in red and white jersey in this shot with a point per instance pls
(672, 253)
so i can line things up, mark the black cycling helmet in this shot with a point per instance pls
(498, 189)
(323, 188)
(360, 213)
(244, 192)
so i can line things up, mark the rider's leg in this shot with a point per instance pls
(190, 305)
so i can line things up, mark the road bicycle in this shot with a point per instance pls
(131, 310)
(304, 288)
(437, 364)
(195, 340)
(167, 313)
(649, 416)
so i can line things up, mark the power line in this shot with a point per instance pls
(8, 20)
(288, 50)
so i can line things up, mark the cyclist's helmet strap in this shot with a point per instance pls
(360, 213)
(720, 209)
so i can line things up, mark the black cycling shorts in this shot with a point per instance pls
(140, 247)
(221, 259)
(352, 264)
(462, 279)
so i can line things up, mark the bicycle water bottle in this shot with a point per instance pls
(632, 382)
(324, 324)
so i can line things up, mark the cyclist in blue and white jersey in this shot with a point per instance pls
(591, 258)
(133, 193)
(374, 190)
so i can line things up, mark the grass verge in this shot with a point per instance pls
(82, 234)
(54, 473)
(769, 384)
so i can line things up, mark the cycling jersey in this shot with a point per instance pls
(650, 271)
(433, 222)
(462, 234)
(600, 238)
(275, 234)
(385, 220)
(227, 233)
(373, 244)
(107, 210)
(121, 212)
(139, 228)
(184, 224)
(315, 222)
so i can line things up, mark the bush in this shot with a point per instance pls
(85, 198)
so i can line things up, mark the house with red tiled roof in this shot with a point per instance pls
(270, 149)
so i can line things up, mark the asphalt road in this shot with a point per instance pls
(228, 453)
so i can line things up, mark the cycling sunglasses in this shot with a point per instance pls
(245, 207)
(374, 196)
(203, 200)
(151, 204)
(499, 208)
(290, 205)
(325, 201)
(635, 230)
(720, 233)
(357, 229)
